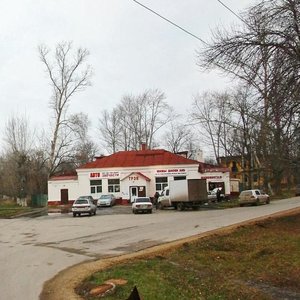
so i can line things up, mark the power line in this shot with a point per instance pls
(233, 12)
(174, 24)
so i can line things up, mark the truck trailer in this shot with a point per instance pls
(182, 194)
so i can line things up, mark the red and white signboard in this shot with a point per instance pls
(168, 172)
(105, 175)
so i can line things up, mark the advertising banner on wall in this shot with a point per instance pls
(170, 172)
(105, 175)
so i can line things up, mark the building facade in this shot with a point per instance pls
(128, 174)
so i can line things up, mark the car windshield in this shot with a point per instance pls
(81, 201)
(137, 200)
(105, 197)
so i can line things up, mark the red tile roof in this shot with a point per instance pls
(141, 158)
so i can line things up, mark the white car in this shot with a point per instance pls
(106, 200)
(212, 195)
(84, 205)
(142, 204)
(253, 197)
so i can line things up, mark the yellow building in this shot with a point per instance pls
(247, 173)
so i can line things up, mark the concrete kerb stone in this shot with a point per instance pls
(35, 212)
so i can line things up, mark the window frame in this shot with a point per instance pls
(113, 185)
(95, 186)
(161, 183)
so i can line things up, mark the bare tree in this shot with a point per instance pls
(68, 73)
(23, 165)
(110, 130)
(136, 120)
(212, 116)
(264, 54)
(157, 113)
(84, 148)
(19, 140)
(178, 137)
(18, 135)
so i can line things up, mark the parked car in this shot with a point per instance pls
(106, 200)
(90, 198)
(253, 197)
(142, 204)
(212, 195)
(84, 205)
(297, 190)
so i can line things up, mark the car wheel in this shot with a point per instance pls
(79, 214)
(74, 215)
(150, 211)
(133, 211)
(268, 201)
(95, 212)
(241, 205)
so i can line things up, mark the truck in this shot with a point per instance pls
(182, 194)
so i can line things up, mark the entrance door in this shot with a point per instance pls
(133, 190)
(64, 196)
(137, 191)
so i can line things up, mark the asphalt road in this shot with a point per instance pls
(34, 250)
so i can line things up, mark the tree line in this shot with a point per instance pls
(257, 119)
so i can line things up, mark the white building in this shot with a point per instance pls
(133, 173)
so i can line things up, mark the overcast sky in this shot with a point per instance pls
(131, 50)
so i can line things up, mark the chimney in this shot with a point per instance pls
(143, 146)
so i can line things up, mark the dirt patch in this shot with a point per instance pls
(63, 285)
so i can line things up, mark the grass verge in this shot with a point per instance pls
(258, 261)
(9, 209)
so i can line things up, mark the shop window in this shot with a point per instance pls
(113, 185)
(179, 177)
(96, 186)
(161, 183)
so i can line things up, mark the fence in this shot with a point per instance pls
(40, 200)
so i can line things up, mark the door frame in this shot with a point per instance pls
(64, 196)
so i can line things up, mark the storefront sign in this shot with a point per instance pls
(105, 175)
(166, 172)
(211, 177)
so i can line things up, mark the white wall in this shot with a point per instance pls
(82, 185)
(55, 186)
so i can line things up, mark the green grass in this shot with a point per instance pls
(253, 262)
(10, 209)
